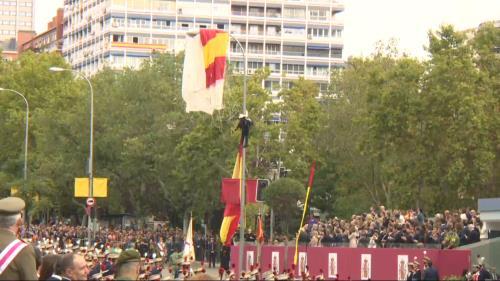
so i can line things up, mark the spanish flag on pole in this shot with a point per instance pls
(232, 211)
(204, 69)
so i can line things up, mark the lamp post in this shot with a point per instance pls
(91, 141)
(25, 176)
(243, 166)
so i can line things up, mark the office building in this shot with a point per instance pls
(292, 37)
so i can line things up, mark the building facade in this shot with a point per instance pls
(48, 41)
(15, 15)
(292, 37)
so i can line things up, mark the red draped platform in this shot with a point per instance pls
(355, 263)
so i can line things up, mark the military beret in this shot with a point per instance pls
(11, 205)
(128, 256)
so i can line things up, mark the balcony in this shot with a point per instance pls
(273, 53)
(319, 18)
(256, 14)
(273, 15)
(294, 53)
(239, 13)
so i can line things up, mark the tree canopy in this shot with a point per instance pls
(392, 130)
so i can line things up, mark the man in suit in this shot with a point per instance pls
(19, 257)
(70, 267)
(211, 248)
(483, 273)
(430, 273)
(417, 273)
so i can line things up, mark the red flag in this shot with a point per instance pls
(260, 231)
(311, 174)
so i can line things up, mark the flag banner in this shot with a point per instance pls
(260, 229)
(204, 70)
(229, 223)
(232, 201)
(309, 186)
(188, 243)
(231, 191)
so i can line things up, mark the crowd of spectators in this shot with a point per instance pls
(396, 228)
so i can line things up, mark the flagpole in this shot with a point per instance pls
(309, 185)
(243, 166)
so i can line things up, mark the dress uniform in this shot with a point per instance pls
(17, 258)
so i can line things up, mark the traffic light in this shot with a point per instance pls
(262, 184)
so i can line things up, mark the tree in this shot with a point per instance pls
(282, 195)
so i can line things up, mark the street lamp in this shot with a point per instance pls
(25, 132)
(91, 149)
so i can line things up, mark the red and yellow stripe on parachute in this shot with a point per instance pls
(214, 54)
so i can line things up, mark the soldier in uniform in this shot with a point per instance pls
(128, 265)
(16, 256)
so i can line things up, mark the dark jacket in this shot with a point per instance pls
(483, 275)
(430, 274)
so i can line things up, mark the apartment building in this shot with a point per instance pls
(292, 37)
(49, 40)
(15, 15)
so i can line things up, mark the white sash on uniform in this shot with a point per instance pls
(10, 253)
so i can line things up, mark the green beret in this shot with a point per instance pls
(11, 205)
(128, 256)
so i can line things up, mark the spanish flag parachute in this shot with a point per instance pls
(204, 70)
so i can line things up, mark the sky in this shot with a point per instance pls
(368, 21)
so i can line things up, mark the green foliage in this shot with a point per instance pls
(282, 195)
(392, 130)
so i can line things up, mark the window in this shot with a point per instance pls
(293, 50)
(318, 32)
(273, 67)
(274, 12)
(235, 48)
(117, 38)
(220, 26)
(239, 10)
(256, 12)
(317, 70)
(255, 48)
(296, 13)
(255, 29)
(296, 69)
(135, 40)
(273, 49)
(317, 51)
(272, 85)
(317, 14)
(254, 65)
(336, 53)
(323, 87)
(237, 29)
(161, 24)
(337, 33)
(294, 31)
(273, 30)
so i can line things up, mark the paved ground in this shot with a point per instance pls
(211, 271)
